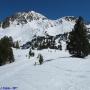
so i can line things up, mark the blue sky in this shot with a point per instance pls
(53, 9)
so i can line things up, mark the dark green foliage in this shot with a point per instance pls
(16, 45)
(89, 48)
(78, 44)
(40, 59)
(31, 54)
(10, 41)
(60, 47)
(10, 55)
(44, 42)
(6, 53)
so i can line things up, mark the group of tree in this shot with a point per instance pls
(45, 42)
(6, 52)
(40, 57)
(78, 42)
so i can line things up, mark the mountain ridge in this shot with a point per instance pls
(25, 17)
(23, 26)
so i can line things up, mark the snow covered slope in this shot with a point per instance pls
(58, 72)
(23, 26)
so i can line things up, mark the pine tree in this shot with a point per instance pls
(11, 41)
(78, 44)
(6, 52)
(31, 53)
(60, 45)
(40, 58)
(17, 45)
(10, 55)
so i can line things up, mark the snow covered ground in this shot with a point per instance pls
(58, 72)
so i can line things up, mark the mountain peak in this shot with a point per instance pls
(31, 15)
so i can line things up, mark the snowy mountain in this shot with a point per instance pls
(23, 26)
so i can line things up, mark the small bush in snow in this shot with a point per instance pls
(16, 45)
(40, 57)
(31, 53)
